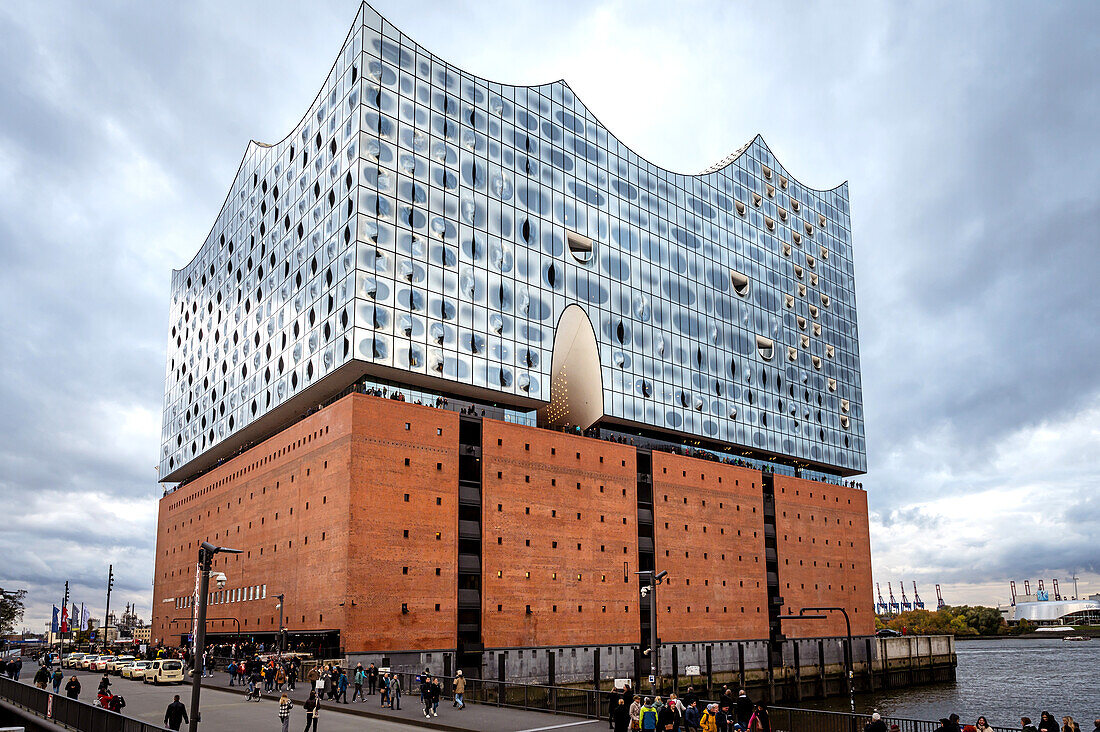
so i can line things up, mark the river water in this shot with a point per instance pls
(1004, 679)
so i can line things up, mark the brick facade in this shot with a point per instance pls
(353, 512)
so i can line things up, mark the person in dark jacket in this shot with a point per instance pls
(372, 679)
(876, 724)
(57, 678)
(175, 714)
(1047, 722)
(426, 695)
(72, 689)
(1026, 725)
(620, 716)
(691, 714)
(743, 708)
(42, 677)
(667, 718)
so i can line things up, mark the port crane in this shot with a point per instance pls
(894, 608)
(1027, 588)
(906, 606)
(939, 598)
(881, 607)
(1057, 594)
(918, 604)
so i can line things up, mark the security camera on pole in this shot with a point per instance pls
(198, 630)
(654, 653)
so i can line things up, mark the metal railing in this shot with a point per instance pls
(69, 712)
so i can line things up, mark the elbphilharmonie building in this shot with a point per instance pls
(427, 226)
(455, 367)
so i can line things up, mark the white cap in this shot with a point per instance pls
(876, 716)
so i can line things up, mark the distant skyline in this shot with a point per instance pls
(967, 135)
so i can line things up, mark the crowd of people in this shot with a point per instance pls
(630, 711)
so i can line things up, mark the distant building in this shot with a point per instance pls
(1054, 612)
(143, 635)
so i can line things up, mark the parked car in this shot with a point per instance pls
(115, 666)
(164, 671)
(888, 633)
(86, 662)
(73, 660)
(100, 664)
(135, 669)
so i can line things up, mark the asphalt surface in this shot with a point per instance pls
(227, 710)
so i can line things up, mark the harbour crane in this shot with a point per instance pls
(881, 607)
(918, 604)
(1012, 587)
(939, 597)
(1057, 594)
(893, 603)
(1027, 588)
(1041, 593)
(905, 604)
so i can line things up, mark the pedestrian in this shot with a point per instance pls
(342, 688)
(1068, 725)
(328, 689)
(636, 713)
(743, 708)
(759, 721)
(57, 678)
(437, 692)
(708, 722)
(691, 714)
(231, 669)
(1046, 723)
(1096, 725)
(292, 675)
(360, 677)
(982, 725)
(312, 708)
(395, 691)
(620, 715)
(384, 689)
(726, 717)
(312, 676)
(876, 724)
(175, 714)
(72, 689)
(426, 695)
(41, 677)
(280, 679)
(667, 718)
(1026, 725)
(647, 716)
(15, 667)
(460, 690)
(285, 705)
(372, 678)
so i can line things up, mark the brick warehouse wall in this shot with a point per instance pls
(709, 531)
(824, 555)
(559, 530)
(322, 508)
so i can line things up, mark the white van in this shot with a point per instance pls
(164, 671)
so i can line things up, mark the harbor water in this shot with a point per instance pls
(1003, 679)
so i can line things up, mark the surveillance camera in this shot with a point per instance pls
(661, 575)
(220, 578)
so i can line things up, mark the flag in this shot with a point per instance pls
(53, 624)
(64, 618)
(74, 619)
(83, 617)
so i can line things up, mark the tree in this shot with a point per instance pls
(11, 609)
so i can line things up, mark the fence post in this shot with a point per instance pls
(596, 669)
(500, 678)
(710, 671)
(821, 669)
(740, 664)
(797, 673)
(870, 667)
(675, 670)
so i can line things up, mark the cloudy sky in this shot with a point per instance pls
(968, 134)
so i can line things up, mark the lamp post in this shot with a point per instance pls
(655, 578)
(282, 600)
(198, 631)
(848, 664)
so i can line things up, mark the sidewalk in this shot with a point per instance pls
(474, 718)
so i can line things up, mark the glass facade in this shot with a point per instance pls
(421, 219)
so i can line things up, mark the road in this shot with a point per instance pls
(222, 711)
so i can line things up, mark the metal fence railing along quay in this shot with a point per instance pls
(69, 712)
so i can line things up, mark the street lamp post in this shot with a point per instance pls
(282, 601)
(198, 633)
(849, 671)
(655, 578)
